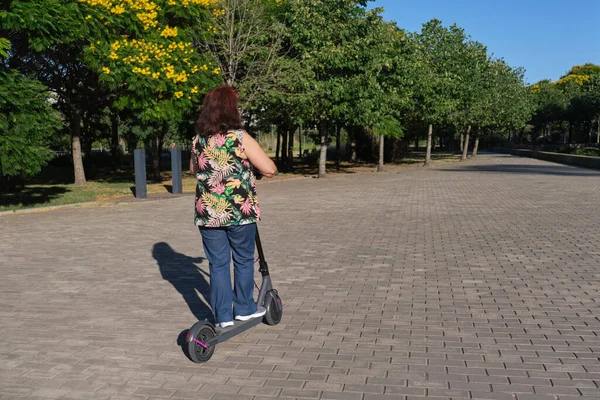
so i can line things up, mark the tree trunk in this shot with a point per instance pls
(475, 146)
(114, 140)
(304, 141)
(381, 153)
(352, 137)
(284, 148)
(155, 155)
(598, 131)
(338, 134)
(416, 144)
(122, 146)
(570, 132)
(323, 156)
(466, 144)
(300, 142)
(76, 148)
(290, 153)
(429, 139)
(462, 142)
(277, 146)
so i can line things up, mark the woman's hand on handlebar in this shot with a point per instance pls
(258, 158)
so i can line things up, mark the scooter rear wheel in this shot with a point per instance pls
(198, 353)
(274, 308)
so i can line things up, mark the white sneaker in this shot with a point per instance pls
(259, 313)
(226, 324)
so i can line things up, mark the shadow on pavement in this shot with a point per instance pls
(557, 170)
(31, 196)
(187, 278)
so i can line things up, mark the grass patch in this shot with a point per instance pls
(418, 157)
(108, 185)
(588, 151)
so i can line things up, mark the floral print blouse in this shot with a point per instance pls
(226, 187)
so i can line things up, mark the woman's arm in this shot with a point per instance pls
(193, 158)
(258, 157)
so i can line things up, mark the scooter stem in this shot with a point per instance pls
(263, 267)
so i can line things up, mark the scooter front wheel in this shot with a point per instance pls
(274, 308)
(197, 338)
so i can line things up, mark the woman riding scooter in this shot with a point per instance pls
(226, 204)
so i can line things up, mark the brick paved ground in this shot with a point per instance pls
(466, 281)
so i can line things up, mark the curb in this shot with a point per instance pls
(116, 202)
(49, 208)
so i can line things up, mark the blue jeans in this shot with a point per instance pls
(219, 244)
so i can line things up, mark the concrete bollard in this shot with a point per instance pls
(177, 177)
(139, 160)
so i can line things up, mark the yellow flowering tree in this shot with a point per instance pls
(147, 53)
(151, 55)
(579, 113)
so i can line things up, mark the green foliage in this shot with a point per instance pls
(588, 151)
(593, 152)
(389, 127)
(148, 56)
(317, 63)
(4, 46)
(440, 62)
(26, 122)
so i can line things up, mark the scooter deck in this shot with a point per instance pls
(224, 334)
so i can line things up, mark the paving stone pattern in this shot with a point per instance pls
(464, 281)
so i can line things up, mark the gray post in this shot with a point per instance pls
(176, 170)
(139, 159)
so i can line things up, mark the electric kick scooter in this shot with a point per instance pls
(204, 335)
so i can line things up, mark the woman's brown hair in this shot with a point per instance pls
(219, 112)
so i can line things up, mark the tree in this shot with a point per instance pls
(247, 46)
(590, 98)
(343, 46)
(439, 62)
(47, 44)
(386, 128)
(149, 57)
(26, 123)
(550, 106)
(570, 99)
(384, 84)
(578, 87)
(319, 33)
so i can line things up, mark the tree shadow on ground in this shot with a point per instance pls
(305, 168)
(32, 196)
(186, 277)
(558, 170)
(417, 157)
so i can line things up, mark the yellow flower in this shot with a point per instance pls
(179, 94)
(169, 32)
(118, 9)
(106, 70)
(217, 71)
(114, 56)
(155, 75)
(88, 17)
(195, 89)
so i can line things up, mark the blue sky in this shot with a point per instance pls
(546, 37)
